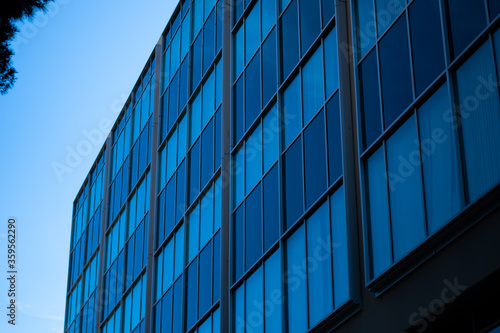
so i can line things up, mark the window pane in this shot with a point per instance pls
(315, 160)
(405, 189)
(271, 208)
(238, 170)
(328, 10)
(289, 40)
(312, 86)
(209, 42)
(177, 307)
(169, 208)
(208, 99)
(238, 50)
(268, 16)
(292, 161)
(395, 72)
(254, 301)
(479, 105)
(439, 160)
(340, 254)
(369, 99)
(171, 155)
(310, 23)
(194, 174)
(334, 139)
(269, 80)
(216, 262)
(193, 232)
(195, 119)
(292, 117)
(179, 251)
(180, 200)
(273, 294)
(253, 159)
(467, 19)
(239, 309)
(166, 312)
(205, 297)
(494, 10)
(173, 99)
(387, 11)
(191, 294)
(365, 26)
(331, 62)
(185, 35)
(427, 42)
(297, 287)
(238, 119)
(378, 213)
(238, 243)
(198, 16)
(253, 228)
(207, 154)
(319, 278)
(270, 137)
(181, 148)
(252, 33)
(197, 55)
(168, 265)
(206, 218)
(252, 91)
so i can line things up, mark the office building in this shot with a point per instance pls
(300, 166)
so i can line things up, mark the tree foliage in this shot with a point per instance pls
(10, 12)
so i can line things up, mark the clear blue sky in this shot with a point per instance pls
(77, 64)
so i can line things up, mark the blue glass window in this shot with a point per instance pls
(194, 172)
(173, 97)
(238, 119)
(253, 159)
(292, 117)
(238, 171)
(169, 208)
(216, 280)
(289, 40)
(180, 200)
(192, 294)
(405, 189)
(238, 243)
(340, 255)
(181, 147)
(168, 265)
(208, 99)
(319, 279)
(184, 85)
(369, 99)
(253, 228)
(273, 293)
(315, 160)
(365, 26)
(387, 11)
(269, 79)
(166, 312)
(195, 119)
(334, 139)
(312, 86)
(294, 192)
(186, 24)
(297, 288)
(494, 7)
(466, 20)
(270, 137)
(271, 208)
(331, 62)
(328, 10)
(179, 251)
(239, 309)
(193, 226)
(252, 91)
(254, 294)
(206, 217)
(209, 42)
(196, 63)
(479, 105)
(395, 71)
(252, 33)
(439, 161)
(427, 42)
(205, 297)
(378, 213)
(239, 55)
(310, 23)
(198, 16)
(207, 154)
(268, 16)
(177, 307)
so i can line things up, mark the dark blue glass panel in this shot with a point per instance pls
(289, 40)
(294, 189)
(494, 6)
(369, 98)
(252, 91)
(238, 10)
(143, 152)
(173, 102)
(269, 68)
(160, 229)
(135, 166)
(125, 188)
(427, 42)
(328, 10)
(196, 70)
(334, 139)
(238, 122)
(165, 117)
(191, 294)
(439, 161)
(238, 243)
(205, 297)
(466, 20)
(139, 238)
(297, 288)
(208, 41)
(315, 159)
(145, 242)
(310, 23)
(479, 105)
(185, 7)
(254, 301)
(387, 11)
(395, 71)
(169, 208)
(180, 201)
(176, 22)
(217, 145)
(157, 318)
(271, 208)
(207, 153)
(166, 312)
(216, 280)
(319, 279)
(194, 171)
(219, 27)
(365, 29)
(405, 190)
(184, 85)
(378, 213)
(253, 227)
(130, 262)
(177, 307)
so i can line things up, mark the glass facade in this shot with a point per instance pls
(226, 195)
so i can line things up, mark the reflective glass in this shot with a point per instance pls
(439, 160)
(193, 233)
(239, 309)
(427, 42)
(191, 294)
(168, 265)
(252, 91)
(328, 10)
(198, 16)
(378, 213)
(310, 23)
(185, 35)
(270, 137)
(180, 200)
(269, 68)
(254, 294)
(479, 105)
(209, 42)
(296, 285)
(194, 173)
(331, 62)
(294, 192)
(195, 119)
(494, 7)
(169, 208)
(206, 218)
(312, 86)
(289, 40)
(273, 294)
(208, 99)
(395, 71)
(252, 32)
(253, 159)
(319, 279)
(239, 176)
(171, 154)
(173, 99)
(196, 62)
(405, 189)
(315, 159)
(238, 243)
(253, 228)
(207, 154)
(369, 99)
(365, 26)
(179, 251)
(177, 307)
(181, 148)
(166, 312)
(268, 16)
(239, 60)
(292, 117)
(238, 119)
(205, 296)
(340, 253)
(334, 139)
(387, 11)
(216, 262)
